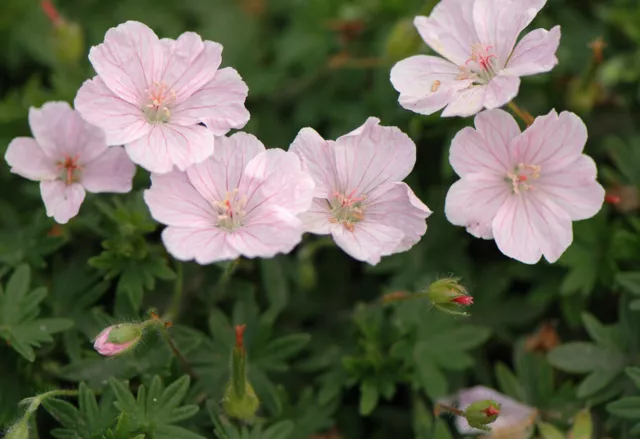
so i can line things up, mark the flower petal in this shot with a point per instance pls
(501, 90)
(318, 158)
(190, 63)
(374, 156)
(275, 178)
(62, 201)
(531, 225)
(535, 53)
(267, 232)
(222, 173)
(552, 142)
(173, 200)
(27, 159)
(426, 83)
(129, 60)
(466, 102)
(369, 241)
(487, 148)
(121, 121)
(167, 145)
(398, 207)
(450, 30)
(574, 188)
(112, 171)
(219, 104)
(474, 201)
(499, 22)
(316, 219)
(204, 245)
(61, 132)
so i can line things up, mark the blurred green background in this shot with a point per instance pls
(325, 64)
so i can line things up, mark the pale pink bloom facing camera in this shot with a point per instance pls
(151, 94)
(523, 189)
(359, 197)
(68, 156)
(244, 200)
(481, 64)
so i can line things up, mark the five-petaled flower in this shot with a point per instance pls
(523, 189)
(68, 156)
(152, 94)
(359, 197)
(481, 68)
(244, 200)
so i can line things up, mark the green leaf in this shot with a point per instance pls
(596, 381)
(634, 374)
(629, 281)
(155, 413)
(582, 426)
(281, 430)
(548, 431)
(368, 398)
(583, 357)
(19, 310)
(626, 408)
(508, 383)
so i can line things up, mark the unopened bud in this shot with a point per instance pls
(240, 400)
(18, 431)
(118, 339)
(449, 296)
(481, 413)
(68, 41)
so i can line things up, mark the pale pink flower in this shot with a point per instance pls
(68, 156)
(359, 197)
(151, 94)
(516, 420)
(244, 200)
(482, 64)
(523, 189)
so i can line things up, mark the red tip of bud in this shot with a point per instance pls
(240, 336)
(51, 12)
(612, 199)
(463, 300)
(491, 411)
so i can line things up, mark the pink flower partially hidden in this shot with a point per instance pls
(244, 200)
(482, 64)
(68, 156)
(359, 196)
(523, 189)
(151, 94)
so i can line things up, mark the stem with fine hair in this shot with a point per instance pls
(524, 115)
(176, 300)
(178, 354)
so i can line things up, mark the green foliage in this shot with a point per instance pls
(20, 325)
(154, 412)
(325, 357)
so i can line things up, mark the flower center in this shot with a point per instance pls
(159, 97)
(522, 176)
(231, 210)
(480, 68)
(69, 169)
(346, 209)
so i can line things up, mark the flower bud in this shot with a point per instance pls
(240, 400)
(481, 413)
(68, 41)
(117, 339)
(448, 295)
(18, 431)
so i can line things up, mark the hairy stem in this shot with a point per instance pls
(178, 354)
(524, 115)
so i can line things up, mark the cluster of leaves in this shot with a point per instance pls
(326, 358)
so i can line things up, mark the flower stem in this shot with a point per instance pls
(524, 115)
(447, 408)
(225, 276)
(178, 354)
(176, 300)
